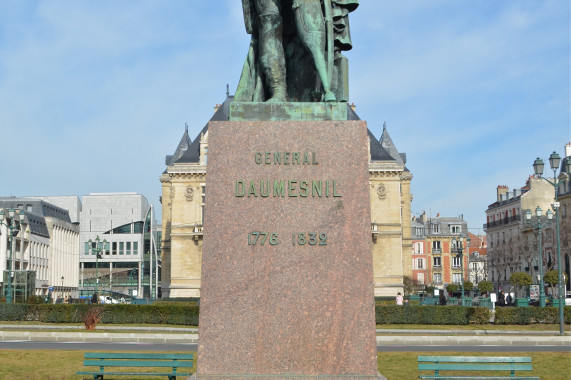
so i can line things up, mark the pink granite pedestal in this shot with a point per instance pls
(301, 304)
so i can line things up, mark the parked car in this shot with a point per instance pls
(107, 299)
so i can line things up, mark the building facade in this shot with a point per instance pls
(478, 259)
(445, 261)
(564, 197)
(44, 254)
(419, 254)
(183, 197)
(512, 242)
(127, 260)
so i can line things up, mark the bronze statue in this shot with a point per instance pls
(295, 52)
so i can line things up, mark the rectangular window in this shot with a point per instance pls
(128, 248)
(202, 198)
(114, 245)
(419, 263)
(419, 231)
(456, 262)
(437, 261)
(121, 248)
(456, 278)
(437, 278)
(436, 248)
(420, 278)
(456, 230)
(87, 247)
(435, 228)
(418, 248)
(135, 248)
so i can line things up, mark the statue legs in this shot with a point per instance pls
(272, 58)
(311, 30)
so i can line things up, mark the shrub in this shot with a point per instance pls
(468, 285)
(529, 315)
(521, 279)
(431, 315)
(92, 317)
(485, 286)
(34, 300)
(181, 314)
(451, 288)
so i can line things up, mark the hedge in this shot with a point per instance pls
(172, 314)
(529, 315)
(187, 314)
(431, 315)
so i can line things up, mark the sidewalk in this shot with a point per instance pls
(190, 335)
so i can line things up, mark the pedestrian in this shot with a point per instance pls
(442, 299)
(94, 299)
(399, 299)
(501, 299)
(509, 300)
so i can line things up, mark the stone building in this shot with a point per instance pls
(45, 253)
(443, 235)
(184, 192)
(564, 197)
(478, 260)
(512, 243)
(420, 253)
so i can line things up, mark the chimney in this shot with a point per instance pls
(216, 107)
(353, 106)
(502, 190)
(568, 149)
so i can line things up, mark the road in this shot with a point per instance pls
(35, 345)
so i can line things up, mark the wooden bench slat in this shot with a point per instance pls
(123, 355)
(473, 367)
(137, 363)
(476, 359)
(134, 373)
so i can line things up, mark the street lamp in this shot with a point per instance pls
(13, 226)
(99, 247)
(460, 254)
(62, 289)
(131, 275)
(538, 226)
(554, 161)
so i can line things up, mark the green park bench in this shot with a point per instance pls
(138, 361)
(474, 364)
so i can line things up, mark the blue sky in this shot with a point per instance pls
(93, 95)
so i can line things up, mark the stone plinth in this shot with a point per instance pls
(287, 282)
(287, 111)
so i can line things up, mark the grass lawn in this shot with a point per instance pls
(489, 326)
(546, 365)
(62, 365)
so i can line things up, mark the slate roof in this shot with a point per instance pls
(182, 147)
(381, 150)
(36, 212)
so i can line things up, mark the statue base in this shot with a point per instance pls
(287, 111)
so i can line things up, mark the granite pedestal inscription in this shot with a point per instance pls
(287, 283)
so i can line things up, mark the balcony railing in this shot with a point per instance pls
(502, 222)
(437, 251)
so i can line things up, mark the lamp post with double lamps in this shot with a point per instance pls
(460, 254)
(554, 161)
(100, 246)
(14, 226)
(538, 226)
